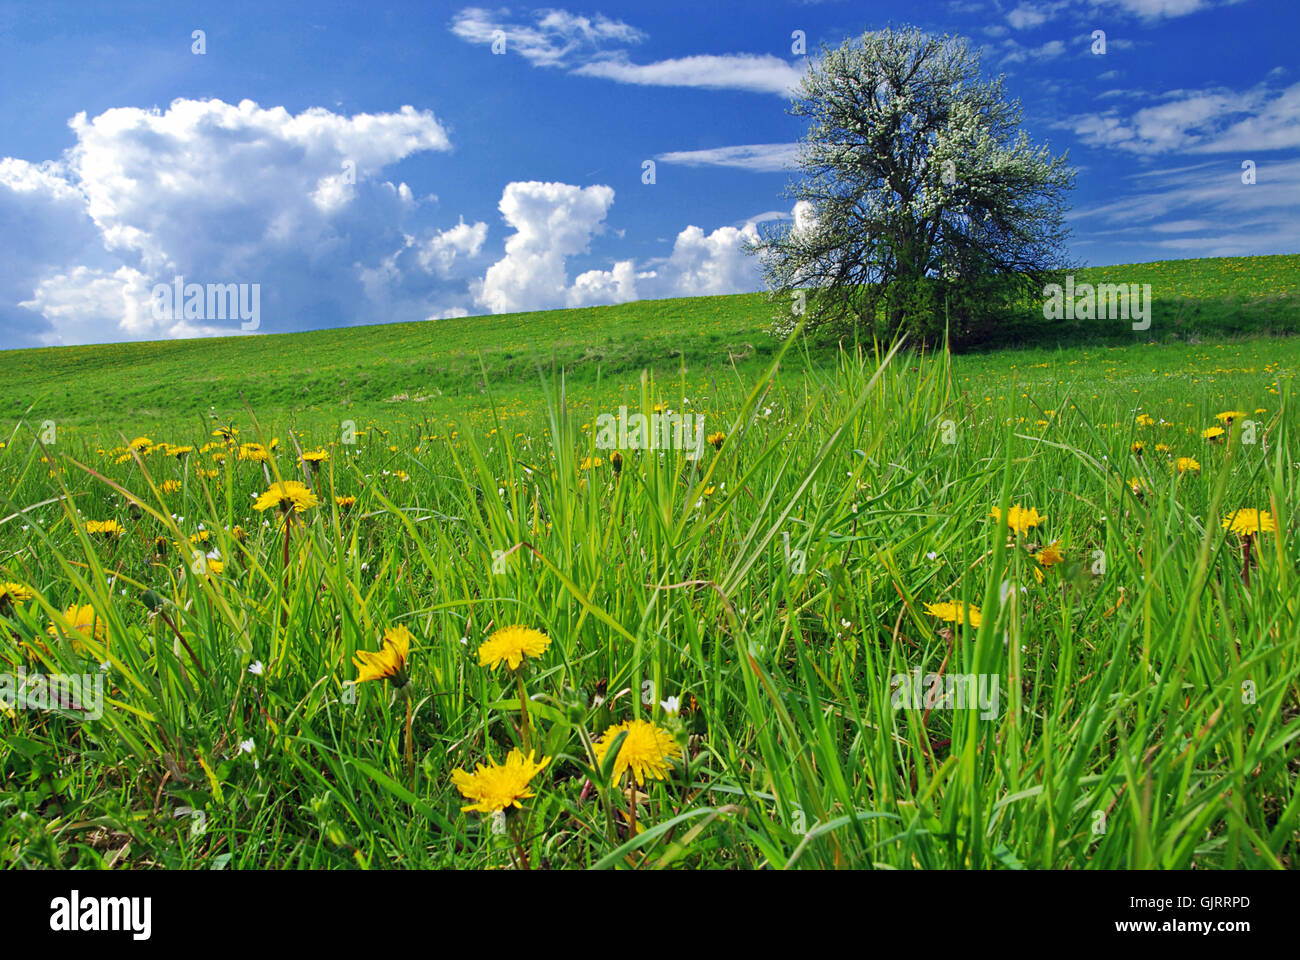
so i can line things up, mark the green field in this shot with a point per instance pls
(1133, 664)
(403, 373)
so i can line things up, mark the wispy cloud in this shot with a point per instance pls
(732, 71)
(1205, 121)
(596, 47)
(755, 157)
(553, 39)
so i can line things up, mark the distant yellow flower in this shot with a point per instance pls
(1212, 433)
(1227, 416)
(345, 503)
(1162, 448)
(1249, 521)
(1138, 486)
(170, 486)
(716, 439)
(287, 495)
(499, 785)
(955, 612)
(389, 663)
(1186, 464)
(1145, 420)
(203, 536)
(647, 750)
(1138, 447)
(179, 452)
(510, 645)
(253, 451)
(1019, 519)
(315, 456)
(590, 463)
(109, 528)
(141, 443)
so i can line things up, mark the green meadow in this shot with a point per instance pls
(1022, 608)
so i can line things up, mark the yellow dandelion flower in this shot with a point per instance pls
(955, 613)
(345, 503)
(11, 593)
(716, 439)
(389, 663)
(84, 623)
(647, 750)
(1020, 519)
(1186, 465)
(498, 786)
(287, 495)
(1212, 433)
(315, 456)
(1227, 416)
(510, 645)
(1248, 521)
(1049, 556)
(109, 528)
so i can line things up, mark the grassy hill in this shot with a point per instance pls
(433, 367)
(1097, 543)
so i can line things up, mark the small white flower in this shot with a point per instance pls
(671, 706)
(256, 668)
(932, 555)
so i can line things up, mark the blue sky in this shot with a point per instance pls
(372, 162)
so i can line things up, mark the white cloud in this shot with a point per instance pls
(1202, 210)
(758, 73)
(1210, 121)
(552, 222)
(1155, 9)
(554, 38)
(604, 286)
(1029, 15)
(219, 193)
(555, 221)
(755, 157)
(596, 47)
(440, 251)
(709, 264)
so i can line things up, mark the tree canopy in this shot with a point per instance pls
(918, 196)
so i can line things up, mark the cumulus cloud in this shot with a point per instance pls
(552, 222)
(556, 221)
(222, 193)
